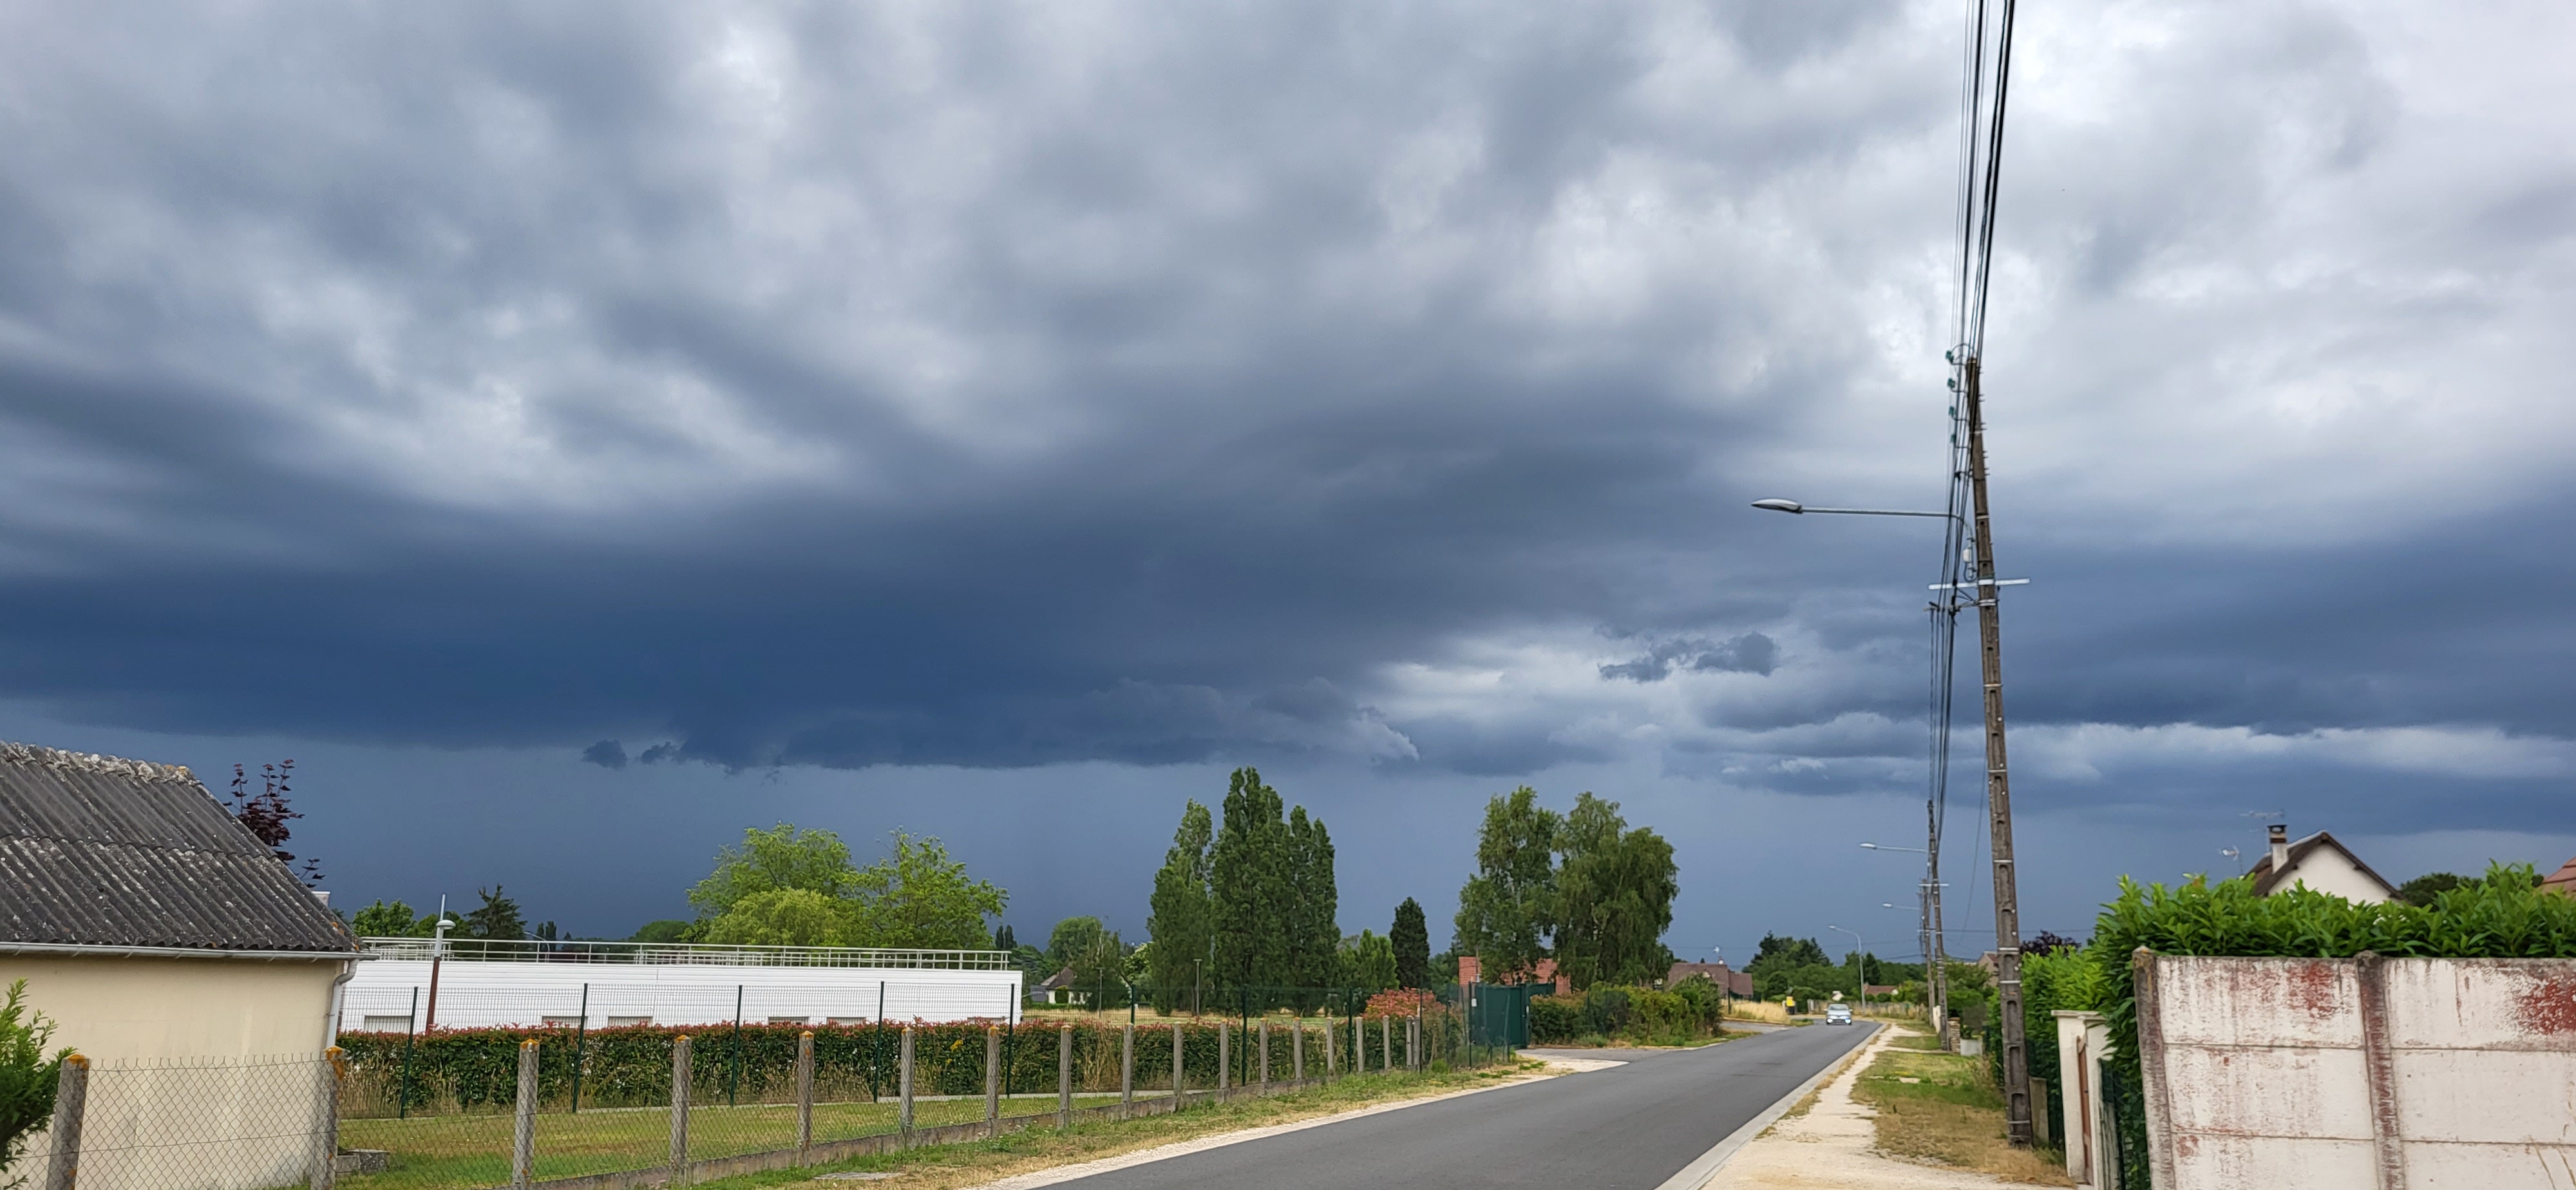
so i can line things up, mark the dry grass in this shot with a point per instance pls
(1757, 1010)
(1948, 1114)
(949, 1167)
(1808, 1100)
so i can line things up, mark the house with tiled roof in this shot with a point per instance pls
(2321, 863)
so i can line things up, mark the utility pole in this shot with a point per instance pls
(2015, 1059)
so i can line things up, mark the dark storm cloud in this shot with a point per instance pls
(993, 386)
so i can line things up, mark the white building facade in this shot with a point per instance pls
(412, 984)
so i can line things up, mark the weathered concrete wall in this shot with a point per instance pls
(2340, 1074)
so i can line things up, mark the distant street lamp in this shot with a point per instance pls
(1860, 963)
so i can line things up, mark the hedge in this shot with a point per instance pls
(477, 1069)
(1650, 1016)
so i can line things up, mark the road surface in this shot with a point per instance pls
(1625, 1128)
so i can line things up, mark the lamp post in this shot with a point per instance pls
(1860, 963)
(1936, 982)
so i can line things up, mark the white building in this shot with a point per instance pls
(2320, 863)
(415, 984)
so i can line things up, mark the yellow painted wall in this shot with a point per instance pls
(117, 1008)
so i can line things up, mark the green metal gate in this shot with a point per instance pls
(1498, 1016)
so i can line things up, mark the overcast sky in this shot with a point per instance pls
(577, 433)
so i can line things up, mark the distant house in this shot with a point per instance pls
(2563, 881)
(1471, 970)
(2320, 863)
(1735, 983)
(161, 936)
(1058, 988)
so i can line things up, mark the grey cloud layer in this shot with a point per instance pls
(1001, 386)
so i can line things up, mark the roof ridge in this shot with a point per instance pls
(145, 770)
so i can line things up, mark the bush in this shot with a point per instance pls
(1640, 1015)
(27, 1077)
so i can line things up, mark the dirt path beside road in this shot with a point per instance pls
(1831, 1147)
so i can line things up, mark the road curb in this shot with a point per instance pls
(1704, 1168)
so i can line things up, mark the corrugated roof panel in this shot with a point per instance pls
(103, 851)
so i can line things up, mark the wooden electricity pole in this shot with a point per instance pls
(2014, 1059)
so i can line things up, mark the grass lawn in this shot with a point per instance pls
(948, 1166)
(474, 1150)
(1940, 1107)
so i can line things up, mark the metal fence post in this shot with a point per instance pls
(1127, 1072)
(71, 1095)
(523, 1136)
(326, 1141)
(992, 1080)
(903, 1087)
(680, 1110)
(1297, 1051)
(804, 1095)
(1261, 1078)
(1064, 1076)
(1224, 1058)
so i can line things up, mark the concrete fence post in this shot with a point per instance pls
(1297, 1051)
(903, 1084)
(326, 1141)
(1127, 1071)
(1064, 1076)
(1386, 1043)
(1177, 1069)
(523, 1134)
(1330, 1033)
(1224, 1058)
(804, 1095)
(680, 1110)
(992, 1080)
(1261, 1077)
(1359, 1046)
(71, 1097)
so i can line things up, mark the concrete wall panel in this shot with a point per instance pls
(2262, 1002)
(2271, 1092)
(2241, 1163)
(2445, 1095)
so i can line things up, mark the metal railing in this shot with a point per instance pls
(532, 950)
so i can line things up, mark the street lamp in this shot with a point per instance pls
(1776, 504)
(1936, 1000)
(1860, 963)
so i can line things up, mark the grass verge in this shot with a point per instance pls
(949, 1166)
(1939, 1107)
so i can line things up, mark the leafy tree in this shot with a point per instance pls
(1614, 897)
(1505, 907)
(1074, 938)
(919, 898)
(27, 1076)
(1792, 952)
(2422, 889)
(782, 917)
(1003, 939)
(781, 857)
(1411, 942)
(1369, 963)
(1099, 962)
(667, 930)
(267, 812)
(1182, 910)
(497, 919)
(392, 919)
(1249, 886)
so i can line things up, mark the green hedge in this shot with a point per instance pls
(1647, 1016)
(2500, 916)
(478, 1069)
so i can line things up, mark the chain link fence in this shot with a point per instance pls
(457, 1109)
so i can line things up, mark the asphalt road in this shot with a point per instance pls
(1625, 1128)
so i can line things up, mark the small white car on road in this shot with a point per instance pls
(1838, 1014)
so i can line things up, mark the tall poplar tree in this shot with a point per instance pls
(1249, 886)
(1314, 929)
(1183, 915)
(1411, 938)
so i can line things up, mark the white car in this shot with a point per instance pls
(1838, 1014)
